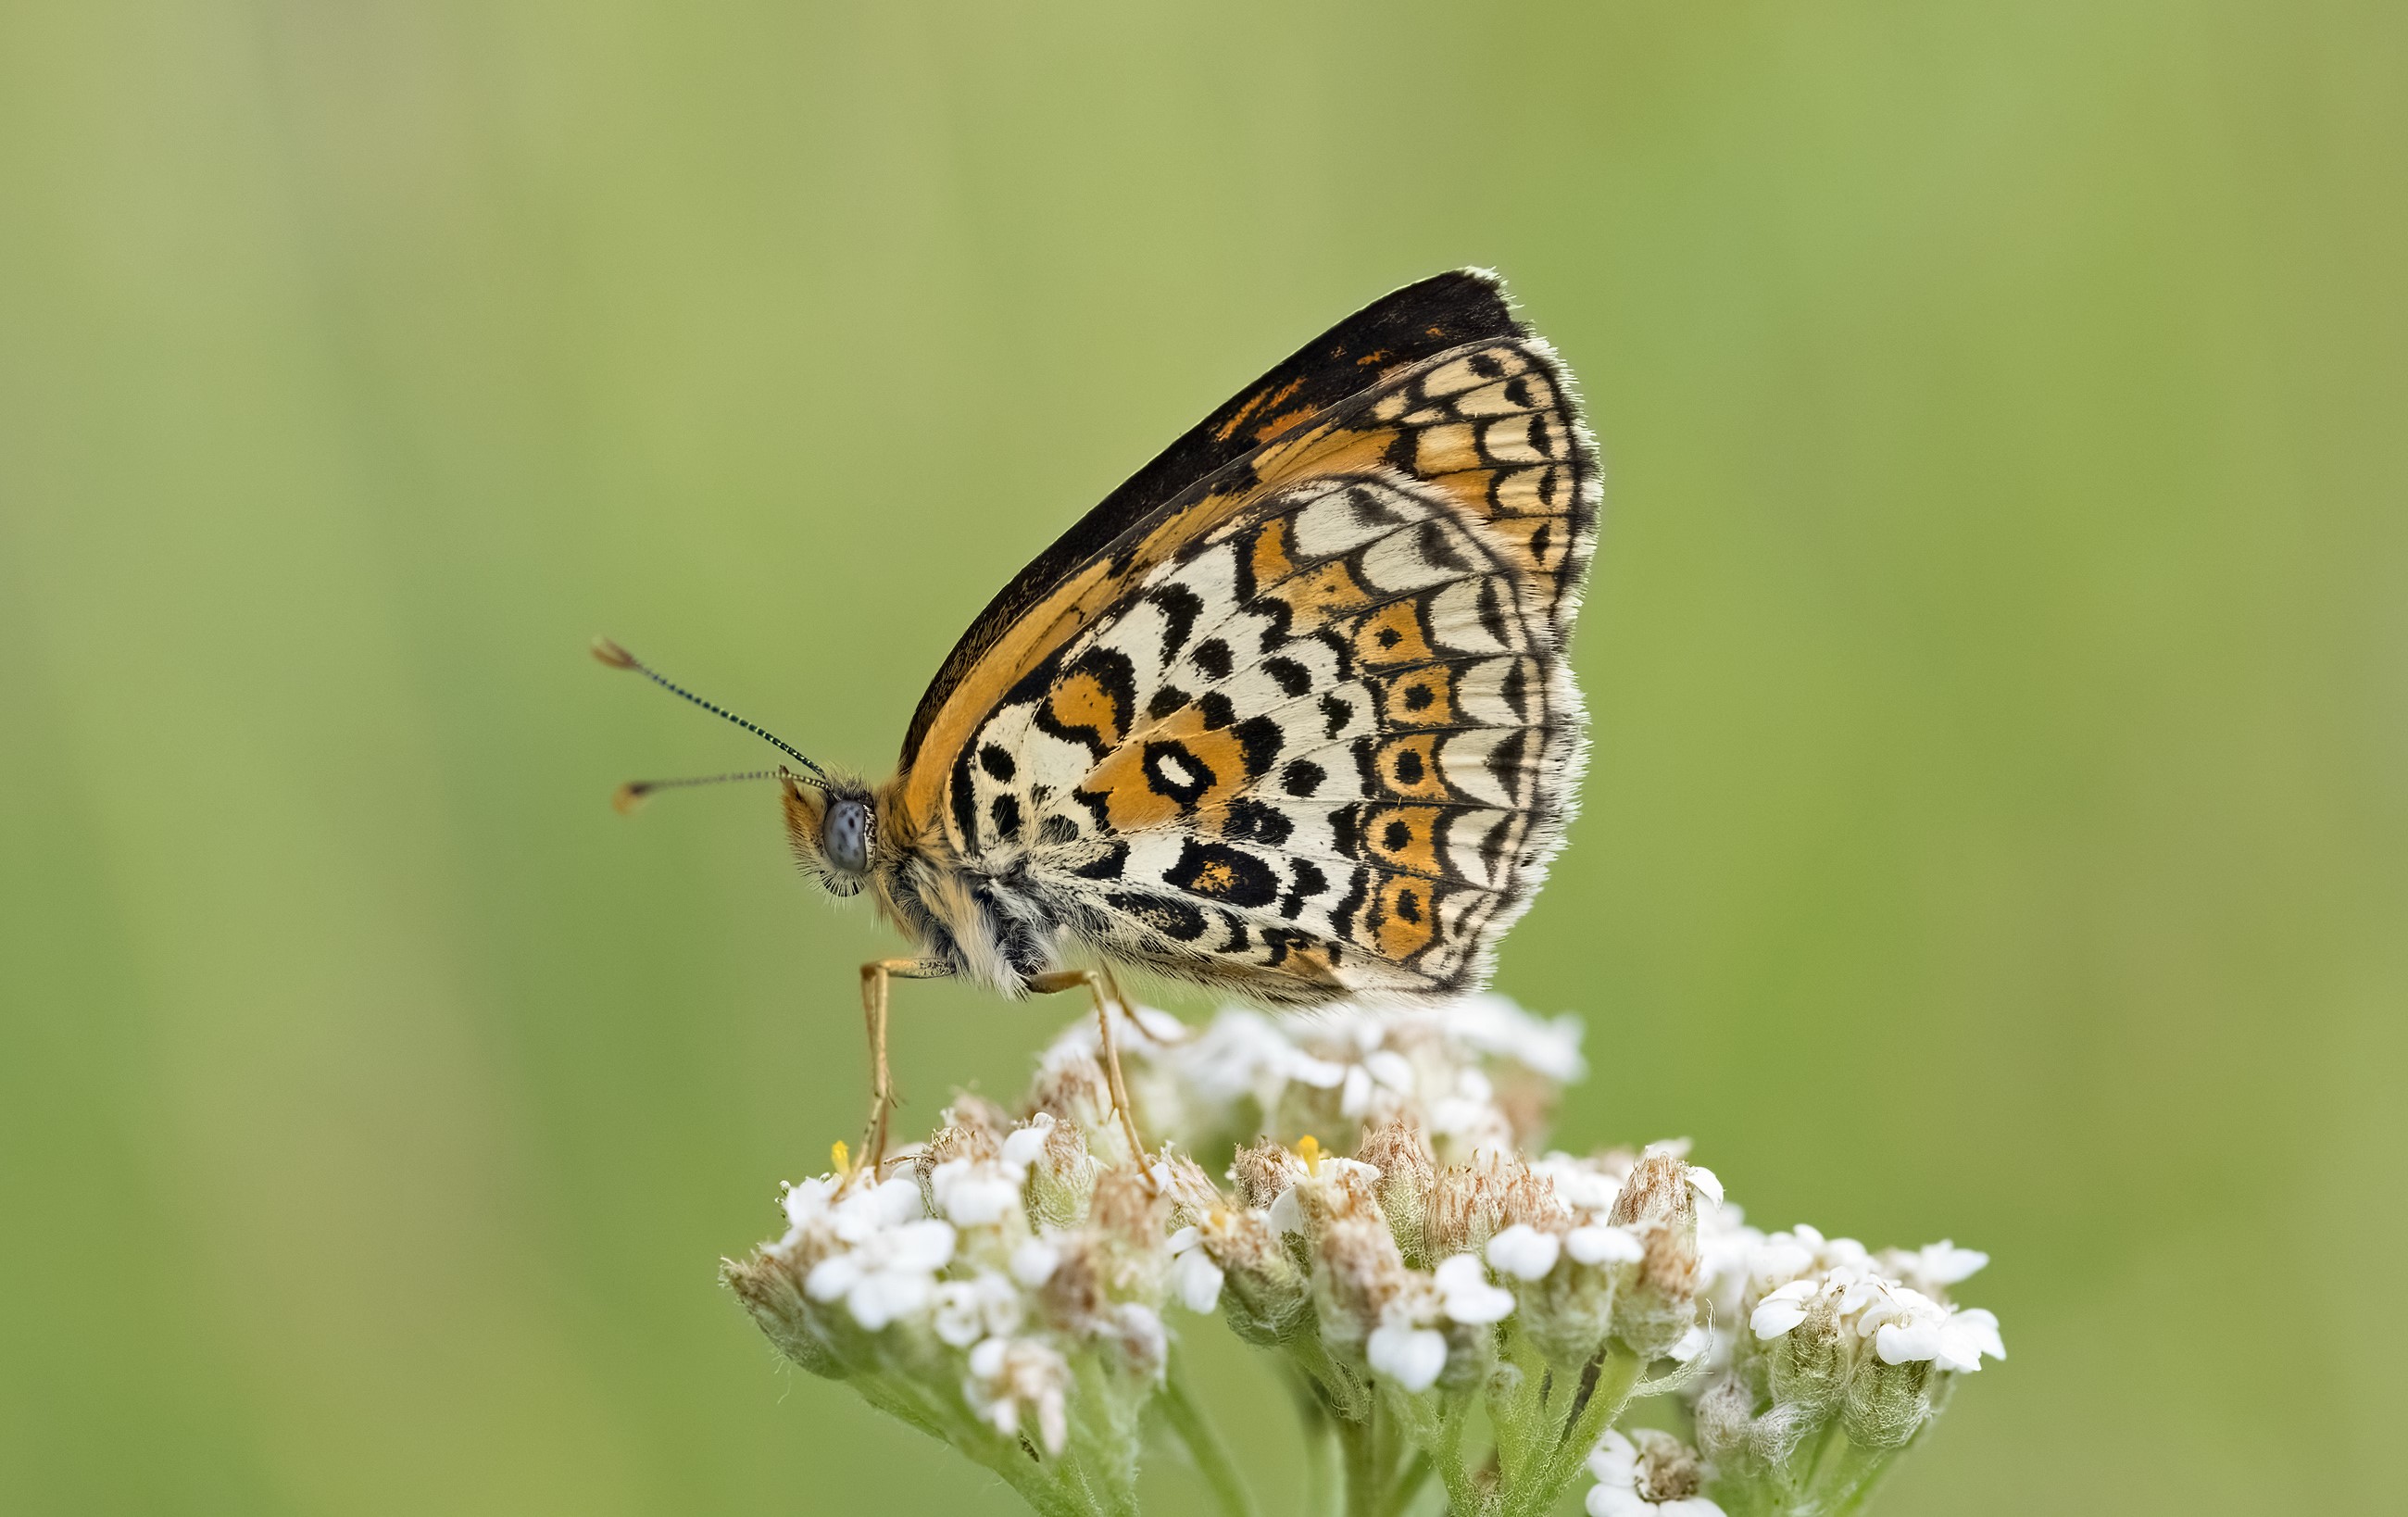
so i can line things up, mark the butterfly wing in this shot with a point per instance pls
(1305, 729)
(1446, 311)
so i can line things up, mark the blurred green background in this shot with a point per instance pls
(2000, 653)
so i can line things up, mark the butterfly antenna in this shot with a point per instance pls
(631, 795)
(619, 658)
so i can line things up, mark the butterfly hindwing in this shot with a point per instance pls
(1326, 748)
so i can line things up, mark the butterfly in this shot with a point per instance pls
(1288, 714)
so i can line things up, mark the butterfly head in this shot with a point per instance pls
(833, 828)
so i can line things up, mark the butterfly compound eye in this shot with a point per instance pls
(844, 837)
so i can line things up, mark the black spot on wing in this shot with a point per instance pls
(1173, 771)
(1342, 916)
(1505, 760)
(965, 803)
(1346, 830)
(1305, 881)
(1180, 607)
(1167, 915)
(1260, 739)
(1293, 679)
(1221, 873)
(1252, 822)
(1105, 866)
(1057, 829)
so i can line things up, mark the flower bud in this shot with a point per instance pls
(1074, 1295)
(1885, 1403)
(1193, 1195)
(1407, 1171)
(1471, 1203)
(1062, 1174)
(1073, 1088)
(1262, 1172)
(1568, 1309)
(1660, 1303)
(1724, 1413)
(1263, 1292)
(1356, 1272)
(1336, 1188)
(1807, 1367)
(955, 1141)
(772, 1293)
(1130, 1220)
(970, 1110)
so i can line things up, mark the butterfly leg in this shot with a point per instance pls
(1107, 992)
(874, 977)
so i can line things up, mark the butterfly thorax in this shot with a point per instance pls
(986, 923)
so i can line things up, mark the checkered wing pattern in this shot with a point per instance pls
(1327, 744)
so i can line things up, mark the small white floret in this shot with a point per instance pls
(1597, 1244)
(1944, 1264)
(1024, 1146)
(1195, 1279)
(974, 1193)
(1524, 1253)
(1411, 1356)
(1784, 1309)
(1466, 1295)
(1285, 1216)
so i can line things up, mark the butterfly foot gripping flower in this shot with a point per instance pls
(1463, 1311)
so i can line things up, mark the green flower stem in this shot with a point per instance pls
(1408, 1485)
(1617, 1371)
(1203, 1440)
(1462, 1494)
(1845, 1473)
(1043, 1486)
(1519, 1414)
(1365, 1488)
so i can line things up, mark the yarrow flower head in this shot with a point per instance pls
(1370, 1213)
(1646, 1473)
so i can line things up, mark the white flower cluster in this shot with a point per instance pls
(1002, 1283)
(1005, 1285)
(1827, 1357)
(1871, 1298)
(1474, 1073)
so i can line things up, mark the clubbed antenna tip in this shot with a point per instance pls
(607, 651)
